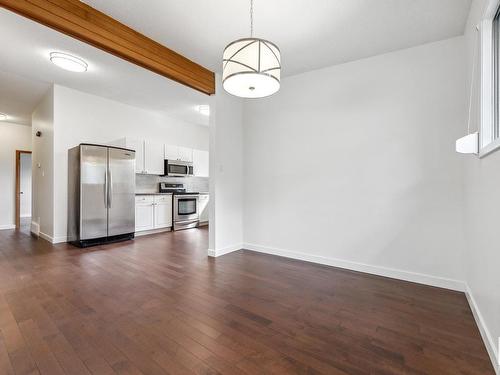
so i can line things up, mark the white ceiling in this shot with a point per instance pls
(310, 33)
(26, 73)
(19, 97)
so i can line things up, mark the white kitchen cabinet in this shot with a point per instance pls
(144, 212)
(153, 212)
(149, 155)
(153, 158)
(138, 146)
(133, 144)
(173, 152)
(203, 202)
(162, 211)
(186, 154)
(200, 163)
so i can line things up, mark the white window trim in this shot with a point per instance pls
(487, 144)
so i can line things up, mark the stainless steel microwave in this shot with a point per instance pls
(178, 168)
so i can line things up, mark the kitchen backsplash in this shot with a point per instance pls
(149, 183)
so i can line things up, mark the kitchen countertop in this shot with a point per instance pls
(153, 193)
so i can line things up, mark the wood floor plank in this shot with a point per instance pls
(5, 364)
(158, 305)
(45, 360)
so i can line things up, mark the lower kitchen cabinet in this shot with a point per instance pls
(153, 212)
(163, 211)
(203, 202)
(144, 212)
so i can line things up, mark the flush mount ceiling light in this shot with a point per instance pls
(3, 116)
(251, 67)
(68, 62)
(204, 109)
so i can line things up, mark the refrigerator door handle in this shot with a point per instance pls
(110, 189)
(106, 188)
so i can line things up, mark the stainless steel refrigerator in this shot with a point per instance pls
(101, 194)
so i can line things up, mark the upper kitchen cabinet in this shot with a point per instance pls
(153, 158)
(148, 155)
(186, 154)
(200, 163)
(133, 144)
(173, 152)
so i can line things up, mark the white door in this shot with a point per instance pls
(163, 211)
(200, 163)
(138, 146)
(203, 201)
(186, 154)
(171, 152)
(153, 158)
(144, 212)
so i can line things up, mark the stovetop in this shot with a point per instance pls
(178, 192)
(176, 189)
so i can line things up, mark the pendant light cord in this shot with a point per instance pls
(251, 18)
(474, 57)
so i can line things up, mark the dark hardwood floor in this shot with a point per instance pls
(158, 305)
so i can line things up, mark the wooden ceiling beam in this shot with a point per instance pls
(93, 27)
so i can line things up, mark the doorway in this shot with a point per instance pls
(23, 190)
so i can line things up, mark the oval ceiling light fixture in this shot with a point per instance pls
(251, 67)
(3, 116)
(68, 62)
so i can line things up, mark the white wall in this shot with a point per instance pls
(14, 137)
(482, 216)
(354, 165)
(81, 117)
(226, 173)
(43, 167)
(25, 183)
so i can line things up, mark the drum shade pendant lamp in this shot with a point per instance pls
(251, 67)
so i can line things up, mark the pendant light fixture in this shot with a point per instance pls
(251, 66)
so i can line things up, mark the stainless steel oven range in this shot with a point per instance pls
(185, 205)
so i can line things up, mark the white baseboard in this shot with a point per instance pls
(60, 239)
(46, 237)
(7, 226)
(488, 339)
(152, 231)
(35, 228)
(226, 250)
(414, 277)
(52, 239)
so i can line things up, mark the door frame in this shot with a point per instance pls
(18, 185)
